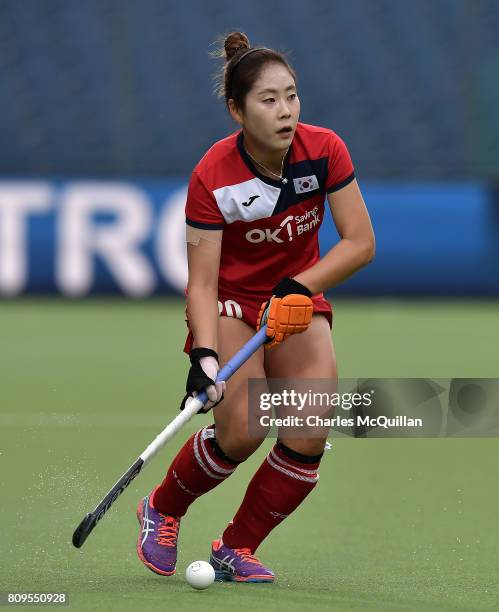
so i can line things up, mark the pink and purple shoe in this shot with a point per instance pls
(157, 543)
(237, 565)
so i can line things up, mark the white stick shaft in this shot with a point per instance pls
(194, 404)
(191, 408)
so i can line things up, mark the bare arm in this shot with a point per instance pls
(202, 290)
(356, 247)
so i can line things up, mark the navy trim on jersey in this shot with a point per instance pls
(288, 196)
(343, 183)
(207, 226)
(247, 160)
(308, 167)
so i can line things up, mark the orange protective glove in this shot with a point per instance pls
(289, 311)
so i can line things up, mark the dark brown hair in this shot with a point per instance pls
(243, 65)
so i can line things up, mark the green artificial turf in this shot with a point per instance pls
(393, 524)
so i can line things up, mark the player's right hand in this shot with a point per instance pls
(202, 375)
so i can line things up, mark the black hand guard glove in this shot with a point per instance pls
(198, 380)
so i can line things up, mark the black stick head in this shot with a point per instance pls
(83, 530)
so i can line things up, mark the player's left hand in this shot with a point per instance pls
(289, 311)
(202, 375)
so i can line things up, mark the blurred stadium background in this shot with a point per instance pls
(105, 107)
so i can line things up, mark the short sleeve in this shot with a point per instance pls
(201, 209)
(340, 167)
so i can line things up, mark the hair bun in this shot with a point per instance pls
(234, 43)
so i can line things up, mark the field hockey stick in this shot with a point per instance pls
(192, 406)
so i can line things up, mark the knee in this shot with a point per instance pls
(236, 446)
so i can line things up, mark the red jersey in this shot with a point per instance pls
(270, 227)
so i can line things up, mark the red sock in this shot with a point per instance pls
(195, 470)
(278, 487)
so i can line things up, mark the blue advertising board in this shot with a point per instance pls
(77, 238)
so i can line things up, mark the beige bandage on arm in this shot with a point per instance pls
(193, 235)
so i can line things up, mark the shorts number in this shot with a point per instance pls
(232, 309)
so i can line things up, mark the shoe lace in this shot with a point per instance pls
(168, 531)
(245, 554)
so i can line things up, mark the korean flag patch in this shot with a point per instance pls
(306, 183)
